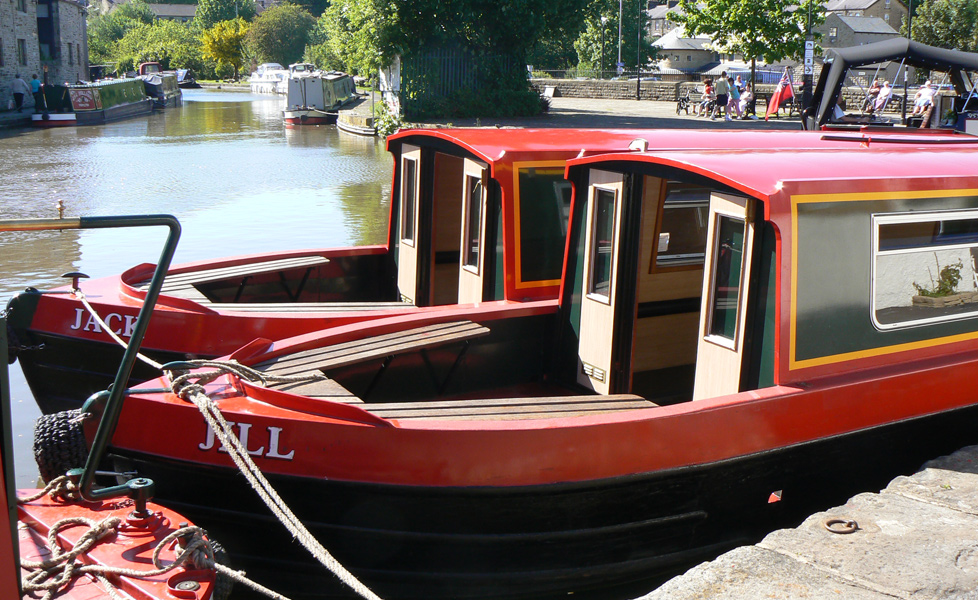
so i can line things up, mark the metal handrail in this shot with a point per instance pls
(140, 490)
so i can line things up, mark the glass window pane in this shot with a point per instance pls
(602, 243)
(544, 209)
(473, 221)
(682, 234)
(727, 263)
(925, 269)
(408, 198)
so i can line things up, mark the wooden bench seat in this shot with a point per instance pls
(508, 409)
(306, 307)
(373, 348)
(182, 284)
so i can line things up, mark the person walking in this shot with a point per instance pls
(36, 91)
(723, 95)
(19, 88)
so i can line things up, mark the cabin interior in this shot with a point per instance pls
(668, 297)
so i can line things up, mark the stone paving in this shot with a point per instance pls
(917, 539)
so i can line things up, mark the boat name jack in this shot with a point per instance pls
(92, 324)
(244, 429)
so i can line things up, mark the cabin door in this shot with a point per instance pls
(602, 232)
(471, 277)
(407, 226)
(720, 349)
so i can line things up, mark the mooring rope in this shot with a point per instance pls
(91, 310)
(190, 387)
(57, 571)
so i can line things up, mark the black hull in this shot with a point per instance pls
(124, 111)
(57, 387)
(610, 538)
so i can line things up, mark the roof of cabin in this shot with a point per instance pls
(764, 173)
(510, 145)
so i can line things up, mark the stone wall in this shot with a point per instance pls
(73, 30)
(24, 28)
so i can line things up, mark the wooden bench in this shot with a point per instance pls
(508, 409)
(381, 347)
(306, 307)
(183, 285)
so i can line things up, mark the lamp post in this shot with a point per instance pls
(808, 75)
(619, 65)
(604, 21)
(638, 56)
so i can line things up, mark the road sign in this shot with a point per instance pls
(809, 70)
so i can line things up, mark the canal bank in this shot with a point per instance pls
(917, 538)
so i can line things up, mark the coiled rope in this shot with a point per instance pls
(190, 387)
(52, 574)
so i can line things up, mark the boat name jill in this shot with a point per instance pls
(244, 430)
(92, 324)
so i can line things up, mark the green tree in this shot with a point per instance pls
(280, 34)
(174, 45)
(105, 30)
(210, 12)
(345, 37)
(225, 43)
(754, 28)
(946, 24)
(597, 45)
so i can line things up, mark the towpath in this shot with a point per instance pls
(918, 538)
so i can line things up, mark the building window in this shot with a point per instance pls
(886, 4)
(71, 59)
(689, 58)
(1, 52)
(22, 5)
(22, 52)
(924, 268)
(886, 17)
(833, 32)
(78, 53)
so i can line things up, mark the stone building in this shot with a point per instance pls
(42, 36)
(892, 12)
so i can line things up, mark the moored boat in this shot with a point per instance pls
(162, 86)
(108, 100)
(517, 175)
(737, 343)
(269, 78)
(314, 97)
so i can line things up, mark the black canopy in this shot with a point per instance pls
(913, 54)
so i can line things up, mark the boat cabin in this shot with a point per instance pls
(942, 91)
(767, 272)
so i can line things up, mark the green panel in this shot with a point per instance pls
(544, 205)
(834, 272)
(123, 91)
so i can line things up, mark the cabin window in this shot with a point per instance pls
(544, 208)
(409, 195)
(684, 221)
(728, 258)
(924, 268)
(602, 244)
(473, 222)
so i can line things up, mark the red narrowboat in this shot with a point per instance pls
(741, 338)
(212, 307)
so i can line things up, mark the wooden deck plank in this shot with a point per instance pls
(326, 389)
(509, 402)
(203, 275)
(303, 307)
(373, 348)
(500, 410)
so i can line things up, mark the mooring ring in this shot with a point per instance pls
(843, 526)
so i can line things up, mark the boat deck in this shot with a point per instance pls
(550, 404)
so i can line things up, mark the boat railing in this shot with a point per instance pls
(140, 490)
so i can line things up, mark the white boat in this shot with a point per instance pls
(315, 97)
(269, 78)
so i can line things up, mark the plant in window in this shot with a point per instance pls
(946, 284)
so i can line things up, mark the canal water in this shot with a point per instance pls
(223, 164)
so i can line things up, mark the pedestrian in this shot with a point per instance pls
(734, 102)
(36, 90)
(19, 88)
(703, 108)
(723, 95)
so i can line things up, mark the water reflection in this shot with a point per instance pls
(223, 164)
